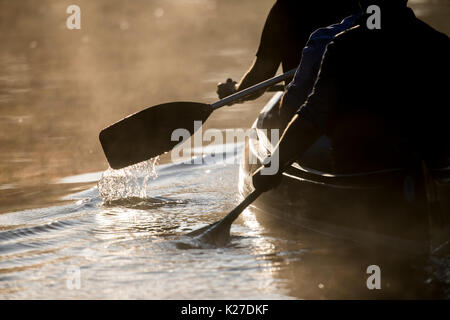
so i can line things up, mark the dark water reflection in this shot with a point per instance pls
(58, 88)
(334, 269)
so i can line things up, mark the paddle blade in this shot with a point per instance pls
(147, 134)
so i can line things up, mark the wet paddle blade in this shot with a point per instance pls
(218, 233)
(147, 134)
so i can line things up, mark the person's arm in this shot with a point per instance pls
(310, 122)
(262, 69)
(299, 135)
(301, 86)
(268, 57)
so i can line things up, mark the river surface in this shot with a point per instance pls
(71, 228)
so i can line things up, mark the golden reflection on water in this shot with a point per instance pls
(59, 88)
(250, 220)
(268, 251)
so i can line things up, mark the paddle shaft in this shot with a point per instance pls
(234, 214)
(276, 88)
(246, 92)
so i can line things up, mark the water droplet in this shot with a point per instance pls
(129, 182)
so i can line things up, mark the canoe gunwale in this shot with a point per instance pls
(363, 180)
(261, 147)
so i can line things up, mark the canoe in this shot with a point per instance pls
(403, 208)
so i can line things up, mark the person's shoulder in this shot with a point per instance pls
(424, 30)
(436, 43)
(334, 29)
(300, 8)
(428, 30)
(286, 4)
(347, 41)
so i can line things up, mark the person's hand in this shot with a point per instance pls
(266, 182)
(225, 89)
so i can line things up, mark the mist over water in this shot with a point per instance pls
(62, 209)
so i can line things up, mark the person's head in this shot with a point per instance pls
(389, 4)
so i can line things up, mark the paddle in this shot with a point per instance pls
(147, 133)
(218, 233)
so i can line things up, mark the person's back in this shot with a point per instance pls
(291, 22)
(385, 88)
(286, 31)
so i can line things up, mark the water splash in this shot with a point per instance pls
(127, 183)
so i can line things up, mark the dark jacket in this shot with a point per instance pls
(381, 94)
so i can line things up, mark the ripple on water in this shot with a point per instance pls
(135, 246)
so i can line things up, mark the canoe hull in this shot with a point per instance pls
(390, 207)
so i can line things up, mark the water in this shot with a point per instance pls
(131, 243)
(127, 246)
(58, 89)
